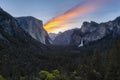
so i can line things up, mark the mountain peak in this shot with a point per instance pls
(86, 23)
(92, 31)
(9, 25)
(117, 19)
(35, 28)
(1, 8)
(93, 22)
(28, 17)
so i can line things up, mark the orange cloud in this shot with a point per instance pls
(64, 19)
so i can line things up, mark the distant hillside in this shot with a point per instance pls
(35, 28)
(17, 47)
(89, 32)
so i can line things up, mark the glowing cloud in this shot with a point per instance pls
(63, 20)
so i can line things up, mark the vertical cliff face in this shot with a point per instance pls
(35, 28)
(10, 26)
(93, 31)
(12, 35)
(89, 32)
(17, 47)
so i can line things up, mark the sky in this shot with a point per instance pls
(61, 15)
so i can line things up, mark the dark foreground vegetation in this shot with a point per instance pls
(57, 63)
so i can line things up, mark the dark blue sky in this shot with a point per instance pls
(47, 9)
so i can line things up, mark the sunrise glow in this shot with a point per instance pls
(64, 19)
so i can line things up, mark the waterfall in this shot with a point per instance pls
(81, 44)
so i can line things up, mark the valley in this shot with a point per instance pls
(26, 53)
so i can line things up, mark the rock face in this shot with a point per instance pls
(35, 28)
(90, 32)
(10, 26)
(52, 35)
(17, 48)
(12, 34)
(63, 38)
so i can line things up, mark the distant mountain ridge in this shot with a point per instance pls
(89, 32)
(63, 38)
(17, 48)
(12, 33)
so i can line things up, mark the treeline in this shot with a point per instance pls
(69, 65)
